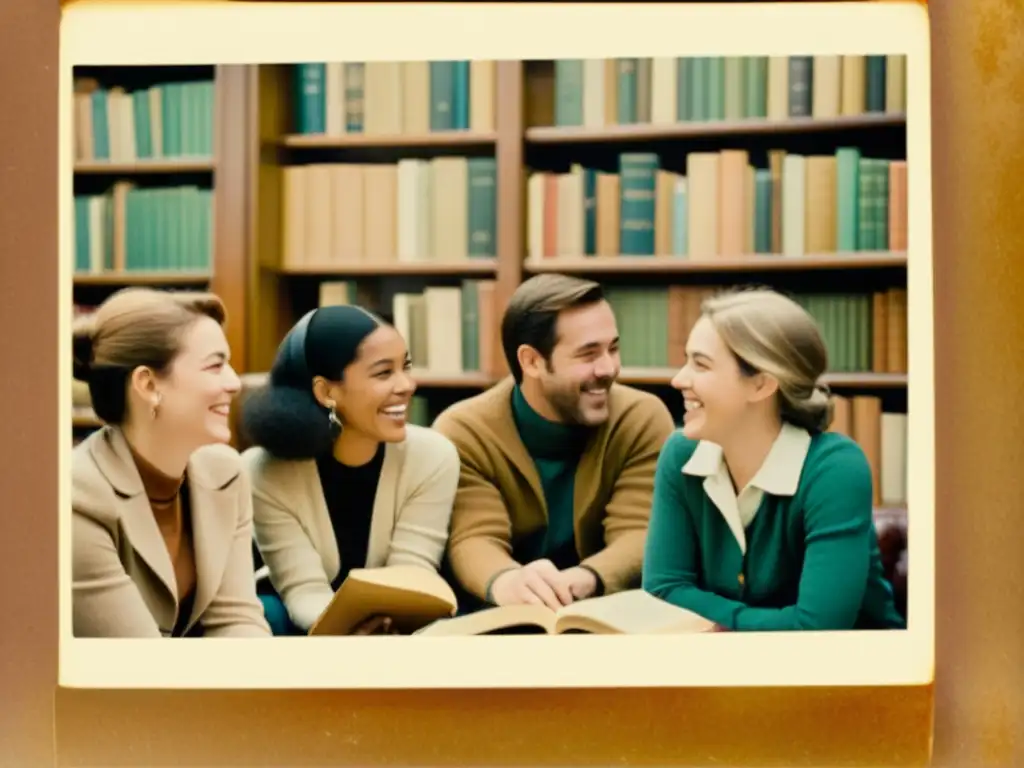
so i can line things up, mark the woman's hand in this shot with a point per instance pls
(376, 625)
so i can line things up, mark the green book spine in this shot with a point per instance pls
(847, 205)
(81, 233)
(716, 88)
(755, 87)
(637, 180)
(882, 205)
(627, 111)
(874, 67)
(698, 87)
(683, 67)
(865, 195)
(568, 92)
(310, 101)
(481, 179)
(762, 210)
(734, 98)
(589, 212)
(442, 95)
(143, 132)
(470, 326)
(801, 85)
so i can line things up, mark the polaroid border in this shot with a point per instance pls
(242, 33)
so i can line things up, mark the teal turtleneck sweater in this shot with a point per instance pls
(555, 450)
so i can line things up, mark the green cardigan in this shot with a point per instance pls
(812, 560)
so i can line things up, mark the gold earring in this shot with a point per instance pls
(156, 405)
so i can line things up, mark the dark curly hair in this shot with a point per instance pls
(284, 417)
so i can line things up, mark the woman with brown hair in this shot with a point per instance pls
(161, 506)
(762, 519)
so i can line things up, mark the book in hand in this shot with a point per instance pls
(633, 612)
(412, 597)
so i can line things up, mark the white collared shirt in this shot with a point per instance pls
(778, 475)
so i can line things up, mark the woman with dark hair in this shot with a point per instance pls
(340, 481)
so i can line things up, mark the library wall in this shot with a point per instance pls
(427, 191)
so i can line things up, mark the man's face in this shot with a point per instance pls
(584, 364)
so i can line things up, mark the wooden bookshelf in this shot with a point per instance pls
(429, 379)
(226, 168)
(414, 141)
(144, 167)
(709, 128)
(669, 265)
(258, 140)
(394, 269)
(155, 279)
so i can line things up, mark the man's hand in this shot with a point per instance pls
(536, 583)
(581, 582)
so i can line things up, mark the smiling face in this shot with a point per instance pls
(374, 396)
(583, 365)
(194, 395)
(716, 392)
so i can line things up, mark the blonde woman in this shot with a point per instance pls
(762, 519)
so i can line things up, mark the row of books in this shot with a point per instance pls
(882, 435)
(443, 209)
(144, 229)
(800, 204)
(451, 330)
(862, 332)
(169, 121)
(392, 98)
(601, 92)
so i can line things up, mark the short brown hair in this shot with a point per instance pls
(133, 327)
(532, 314)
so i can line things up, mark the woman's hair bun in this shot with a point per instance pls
(81, 347)
(287, 422)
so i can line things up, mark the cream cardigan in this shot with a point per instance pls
(411, 515)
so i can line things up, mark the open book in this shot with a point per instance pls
(412, 597)
(633, 612)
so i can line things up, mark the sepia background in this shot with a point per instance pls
(973, 697)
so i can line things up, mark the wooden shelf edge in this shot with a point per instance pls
(143, 278)
(479, 266)
(424, 379)
(357, 140)
(695, 129)
(751, 263)
(102, 167)
(631, 376)
(868, 380)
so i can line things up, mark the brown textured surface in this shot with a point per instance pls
(979, 241)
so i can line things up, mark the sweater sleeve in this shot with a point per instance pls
(672, 552)
(627, 513)
(480, 541)
(296, 570)
(422, 524)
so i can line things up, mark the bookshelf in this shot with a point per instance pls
(450, 210)
(159, 185)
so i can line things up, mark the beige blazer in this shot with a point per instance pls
(123, 582)
(411, 514)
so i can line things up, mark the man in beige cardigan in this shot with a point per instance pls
(557, 461)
